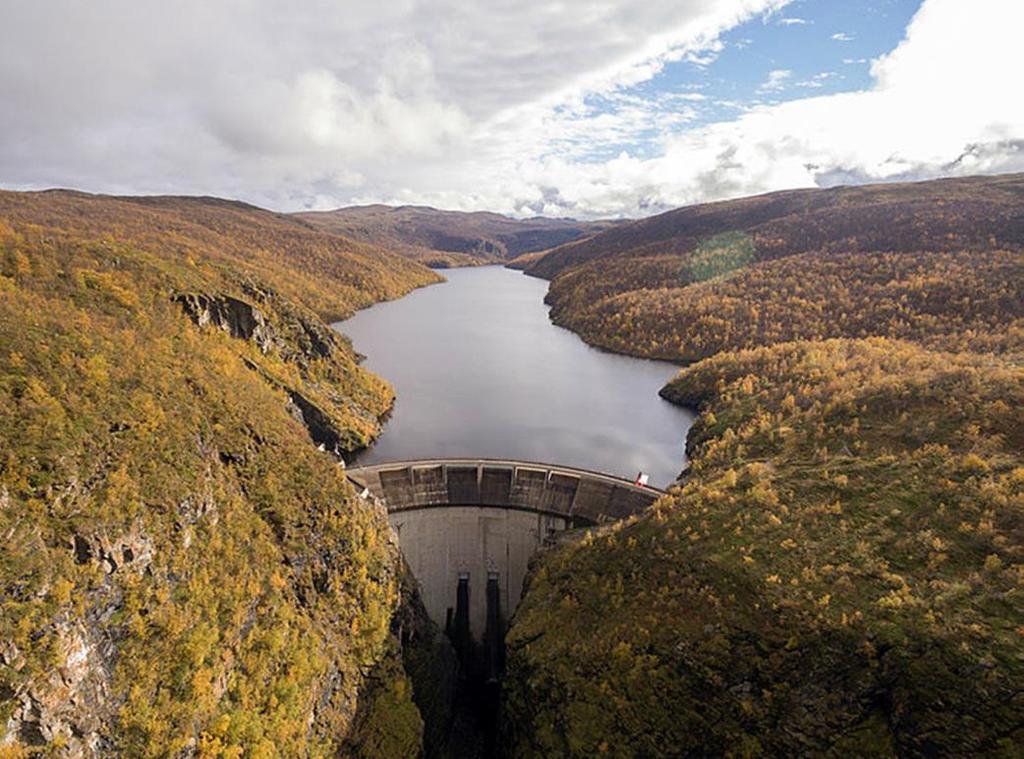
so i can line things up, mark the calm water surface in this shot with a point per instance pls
(480, 371)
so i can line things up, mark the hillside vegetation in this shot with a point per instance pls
(958, 299)
(943, 214)
(183, 572)
(791, 265)
(841, 570)
(450, 238)
(329, 274)
(841, 574)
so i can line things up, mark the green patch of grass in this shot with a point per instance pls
(720, 255)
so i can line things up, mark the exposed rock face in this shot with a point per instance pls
(321, 428)
(281, 330)
(296, 336)
(73, 706)
(236, 317)
(132, 551)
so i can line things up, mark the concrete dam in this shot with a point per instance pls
(468, 528)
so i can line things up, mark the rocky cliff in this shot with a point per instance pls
(186, 570)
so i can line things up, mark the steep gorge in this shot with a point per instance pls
(185, 573)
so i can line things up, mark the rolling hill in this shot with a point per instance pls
(328, 273)
(450, 238)
(801, 264)
(838, 575)
(942, 214)
(184, 573)
(839, 571)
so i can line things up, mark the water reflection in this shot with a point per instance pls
(480, 371)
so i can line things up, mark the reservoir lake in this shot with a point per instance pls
(481, 372)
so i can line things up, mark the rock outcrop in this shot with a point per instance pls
(74, 705)
(236, 317)
(283, 331)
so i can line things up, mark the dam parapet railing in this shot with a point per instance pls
(582, 496)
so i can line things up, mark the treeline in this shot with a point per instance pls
(960, 299)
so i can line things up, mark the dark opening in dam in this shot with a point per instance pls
(468, 529)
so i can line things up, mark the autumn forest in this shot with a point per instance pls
(838, 572)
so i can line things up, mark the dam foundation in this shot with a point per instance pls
(468, 529)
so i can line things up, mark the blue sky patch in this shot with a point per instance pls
(809, 48)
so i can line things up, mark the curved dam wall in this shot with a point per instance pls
(468, 528)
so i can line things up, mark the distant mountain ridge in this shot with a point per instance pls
(844, 550)
(939, 214)
(450, 238)
(658, 287)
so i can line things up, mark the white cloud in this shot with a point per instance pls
(284, 104)
(504, 105)
(817, 80)
(842, 37)
(792, 21)
(928, 114)
(777, 80)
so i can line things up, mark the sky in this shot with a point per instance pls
(582, 108)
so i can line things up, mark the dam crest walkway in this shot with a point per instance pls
(580, 496)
